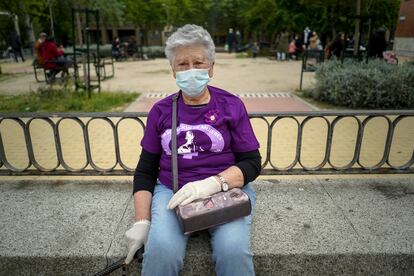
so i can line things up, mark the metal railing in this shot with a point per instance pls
(323, 136)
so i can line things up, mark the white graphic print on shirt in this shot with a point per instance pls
(190, 149)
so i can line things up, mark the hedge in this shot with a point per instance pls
(375, 84)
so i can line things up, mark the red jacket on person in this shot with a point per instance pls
(50, 53)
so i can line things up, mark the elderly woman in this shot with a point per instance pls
(217, 149)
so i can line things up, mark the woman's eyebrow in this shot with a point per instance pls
(180, 60)
(192, 59)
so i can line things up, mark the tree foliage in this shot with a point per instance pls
(254, 18)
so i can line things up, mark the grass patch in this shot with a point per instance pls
(66, 100)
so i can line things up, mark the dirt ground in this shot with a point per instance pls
(237, 75)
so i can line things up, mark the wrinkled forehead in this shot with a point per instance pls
(190, 54)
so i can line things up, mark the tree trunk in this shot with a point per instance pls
(357, 27)
(104, 33)
(28, 27)
(30, 31)
(332, 19)
(52, 27)
(80, 39)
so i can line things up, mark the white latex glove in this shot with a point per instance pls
(195, 190)
(136, 237)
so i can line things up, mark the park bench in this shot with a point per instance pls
(45, 72)
(311, 59)
(129, 51)
(332, 225)
(36, 68)
(104, 65)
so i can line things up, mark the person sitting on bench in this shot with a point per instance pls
(39, 49)
(54, 59)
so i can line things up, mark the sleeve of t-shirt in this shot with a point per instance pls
(146, 172)
(151, 141)
(241, 131)
(250, 164)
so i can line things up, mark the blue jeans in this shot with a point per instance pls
(165, 248)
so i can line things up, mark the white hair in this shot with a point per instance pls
(190, 35)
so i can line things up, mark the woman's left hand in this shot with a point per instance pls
(195, 190)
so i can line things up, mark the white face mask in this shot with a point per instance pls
(192, 82)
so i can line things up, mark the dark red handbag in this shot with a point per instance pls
(214, 210)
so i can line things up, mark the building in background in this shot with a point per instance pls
(404, 35)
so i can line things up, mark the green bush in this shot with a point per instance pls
(375, 84)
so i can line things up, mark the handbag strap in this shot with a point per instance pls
(174, 142)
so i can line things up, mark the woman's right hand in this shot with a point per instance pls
(136, 237)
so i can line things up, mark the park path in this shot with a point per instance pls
(237, 75)
(264, 85)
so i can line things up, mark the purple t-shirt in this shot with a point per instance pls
(207, 136)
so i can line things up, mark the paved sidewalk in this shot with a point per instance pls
(315, 226)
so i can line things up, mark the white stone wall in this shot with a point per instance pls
(404, 46)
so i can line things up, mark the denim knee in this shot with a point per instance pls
(165, 250)
(233, 257)
(163, 256)
(233, 248)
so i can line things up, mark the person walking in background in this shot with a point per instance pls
(116, 48)
(292, 50)
(314, 42)
(132, 47)
(299, 45)
(238, 40)
(378, 44)
(306, 35)
(16, 45)
(336, 47)
(350, 42)
(230, 40)
(282, 46)
(255, 49)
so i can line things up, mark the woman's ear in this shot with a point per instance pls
(211, 70)
(173, 71)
